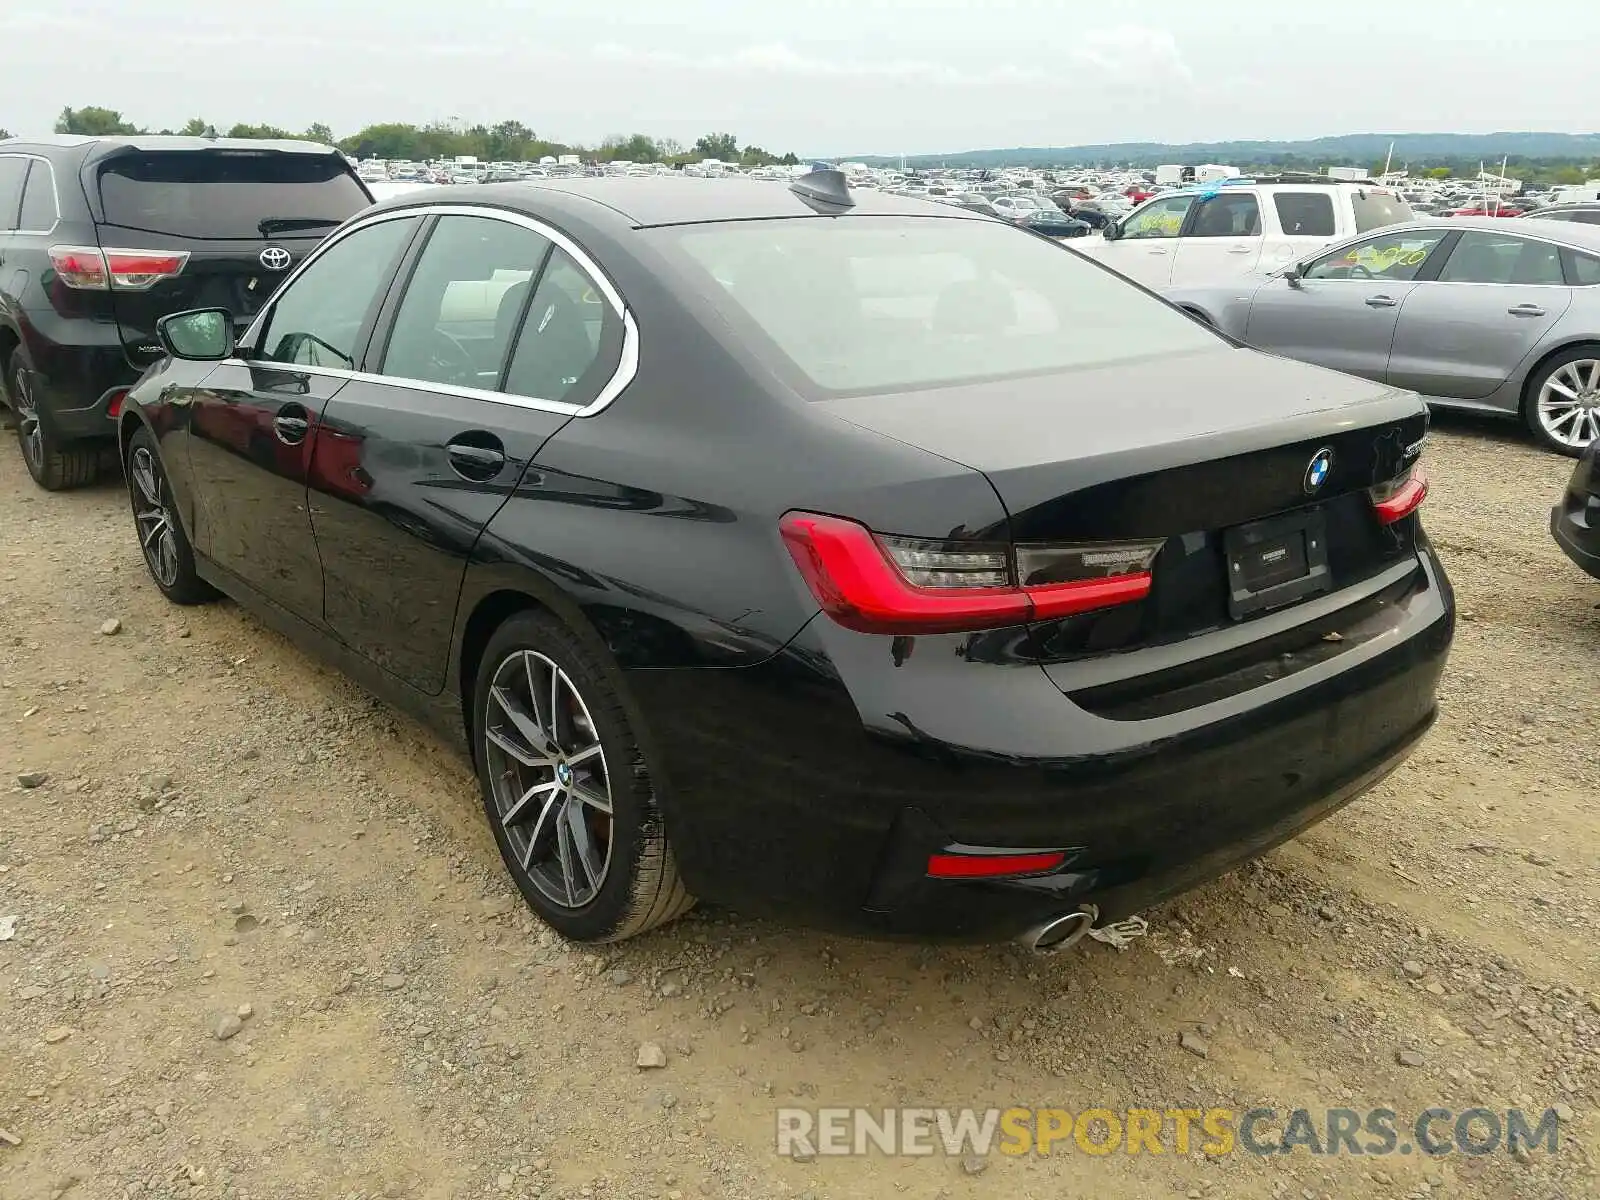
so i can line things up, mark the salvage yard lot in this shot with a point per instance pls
(225, 823)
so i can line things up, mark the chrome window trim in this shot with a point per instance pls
(627, 362)
(55, 192)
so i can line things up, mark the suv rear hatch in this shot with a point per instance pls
(210, 228)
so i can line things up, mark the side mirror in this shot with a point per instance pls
(199, 335)
(1112, 231)
(1291, 275)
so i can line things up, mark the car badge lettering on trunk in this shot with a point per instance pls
(1317, 470)
(275, 258)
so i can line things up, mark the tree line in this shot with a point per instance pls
(504, 141)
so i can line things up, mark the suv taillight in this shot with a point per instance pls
(874, 583)
(91, 269)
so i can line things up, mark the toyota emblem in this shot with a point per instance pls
(275, 258)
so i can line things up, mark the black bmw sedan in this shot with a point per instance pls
(859, 561)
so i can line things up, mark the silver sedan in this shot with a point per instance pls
(1490, 314)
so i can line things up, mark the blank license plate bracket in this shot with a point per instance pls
(1276, 562)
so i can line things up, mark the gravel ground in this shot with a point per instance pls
(264, 949)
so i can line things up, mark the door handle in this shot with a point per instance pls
(1381, 302)
(479, 460)
(292, 424)
(1525, 310)
(1239, 249)
(1157, 250)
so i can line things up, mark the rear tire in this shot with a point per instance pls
(566, 787)
(1561, 403)
(165, 546)
(55, 466)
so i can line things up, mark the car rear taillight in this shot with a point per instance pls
(1401, 496)
(91, 269)
(874, 583)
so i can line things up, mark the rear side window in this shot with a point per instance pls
(1304, 214)
(1583, 270)
(38, 199)
(1374, 210)
(13, 171)
(571, 339)
(883, 304)
(1237, 215)
(227, 193)
(1556, 216)
(1498, 258)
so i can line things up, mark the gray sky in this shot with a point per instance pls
(817, 76)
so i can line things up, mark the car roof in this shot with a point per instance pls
(1580, 237)
(152, 142)
(643, 201)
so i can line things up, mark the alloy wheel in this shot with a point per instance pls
(29, 431)
(1569, 403)
(157, 536)
(550, 782)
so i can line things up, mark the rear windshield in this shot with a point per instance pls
(1374, 210)
(882, 304)
(226, 194)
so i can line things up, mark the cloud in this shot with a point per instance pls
(778, 59)
(1131, 52)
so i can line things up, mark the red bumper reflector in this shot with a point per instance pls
(1405, 501)
(114, 405)
(992, 866)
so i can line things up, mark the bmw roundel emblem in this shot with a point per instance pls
(563, 774)
(1317, 470)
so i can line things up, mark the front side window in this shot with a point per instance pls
(1481, 257)
(1236, 215)
(1158, 219)
(1397, 256)
(878, 304)
(460, 310)
(318, 319)
(1304, 214)
(39, 213)
(570, 341)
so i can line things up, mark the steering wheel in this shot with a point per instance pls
(451, 358)
(1364, 272)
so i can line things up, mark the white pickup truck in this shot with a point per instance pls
(1210, 233)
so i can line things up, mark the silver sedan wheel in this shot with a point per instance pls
(1569, 403)
(552, 789)
(154, 518)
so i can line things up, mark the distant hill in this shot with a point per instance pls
(1351, 148)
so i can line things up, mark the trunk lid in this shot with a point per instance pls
(1191, 450)
(244, 219)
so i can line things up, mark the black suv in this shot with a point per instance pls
(99, 237)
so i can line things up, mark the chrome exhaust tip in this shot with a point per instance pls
(1060, 932)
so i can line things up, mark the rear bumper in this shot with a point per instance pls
(1575, 522)
(78, 366)
(814, 787)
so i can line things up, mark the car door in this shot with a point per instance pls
(1306, 220)
(1146, 240)
(251, 421)
(1463, 334)
(503, 331)
(1220, 240)
(1342, 310)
